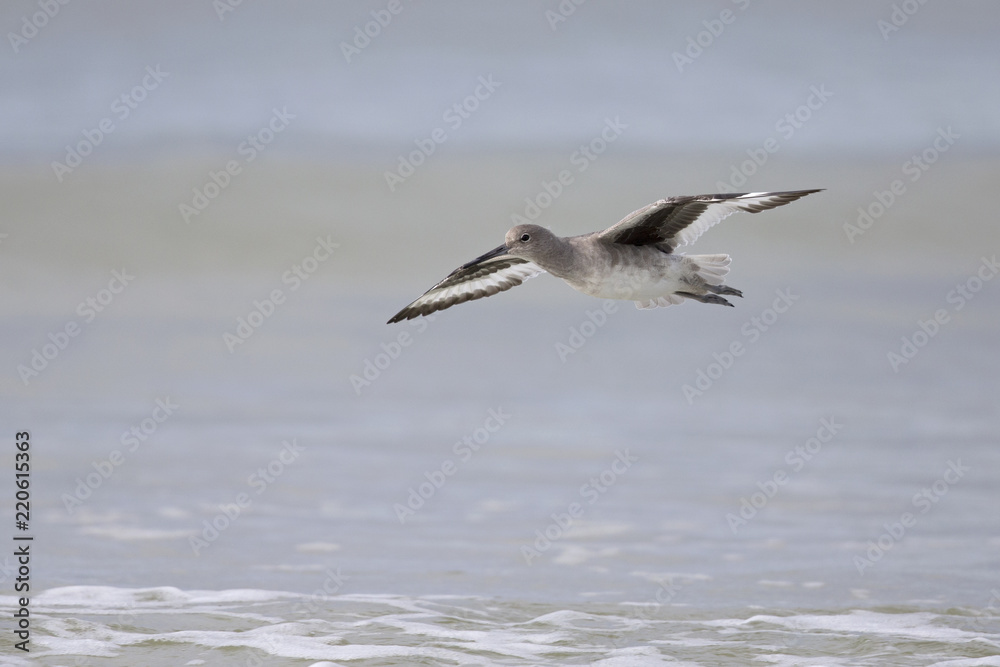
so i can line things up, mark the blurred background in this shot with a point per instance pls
(210, 210)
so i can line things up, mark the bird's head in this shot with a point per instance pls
(530, 242)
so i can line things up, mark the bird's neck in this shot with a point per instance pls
(560, 259)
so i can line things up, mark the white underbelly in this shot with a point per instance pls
(633, 283)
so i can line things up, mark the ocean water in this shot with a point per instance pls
(535, 478)
(235, 461)
(219, 75)
(120, 627)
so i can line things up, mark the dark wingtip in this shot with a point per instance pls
(398, 317)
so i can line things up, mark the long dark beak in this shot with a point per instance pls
(496, 252)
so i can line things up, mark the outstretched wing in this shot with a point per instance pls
(494, 272)
(677, 221)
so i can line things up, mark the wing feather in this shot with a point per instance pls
(678, 221)
(475, 280)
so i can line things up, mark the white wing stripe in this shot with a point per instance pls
(720, 209)
(478, 287)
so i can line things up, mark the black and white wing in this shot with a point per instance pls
(677, 221)
(494, 272)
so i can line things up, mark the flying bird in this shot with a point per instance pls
(634, 260)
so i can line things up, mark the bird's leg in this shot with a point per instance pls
(705, 298)
(724, 289)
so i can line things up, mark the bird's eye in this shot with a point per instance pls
(525, 238)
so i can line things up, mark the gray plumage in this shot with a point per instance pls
(632, 260)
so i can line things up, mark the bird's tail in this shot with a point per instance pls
(711, 268)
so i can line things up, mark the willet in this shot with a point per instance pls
(633, 260)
